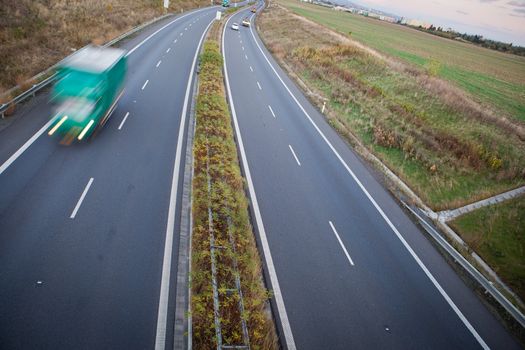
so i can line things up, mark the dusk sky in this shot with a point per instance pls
(502, 20)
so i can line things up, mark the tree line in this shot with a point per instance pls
(476, 39)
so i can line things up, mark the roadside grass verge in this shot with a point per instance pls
(215, 160)
(493, 78)
(497, 234)
(431, 137)
(34, 35)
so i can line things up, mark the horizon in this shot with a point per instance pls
(499, 20)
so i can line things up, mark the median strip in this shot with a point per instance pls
(229, 303)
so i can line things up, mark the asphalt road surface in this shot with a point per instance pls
(83, 228)
(349, 268)
(88, 233)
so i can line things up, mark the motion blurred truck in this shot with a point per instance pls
(90, 83)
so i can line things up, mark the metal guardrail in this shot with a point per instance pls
(467, 266)
(31, 92)
(28, 93)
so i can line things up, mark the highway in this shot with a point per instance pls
(348, 267)
(87, 238)
(89, 232)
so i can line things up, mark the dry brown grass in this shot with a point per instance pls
(34, 35)
(215, 154)
(448, 148)
(449, 94)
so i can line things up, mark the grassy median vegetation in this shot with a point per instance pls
(34, 35)
(492, 77)
(215, 154)
(442, 143)
(497, 234)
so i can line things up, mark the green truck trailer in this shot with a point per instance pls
(89, 85)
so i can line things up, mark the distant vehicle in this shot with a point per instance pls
(246, 22)
(225, 3)
(90, 83)
(254, 9)
(235, 26)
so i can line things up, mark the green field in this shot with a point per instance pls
(425, 133)
(497, 234)
(420, 127)
(491, 77)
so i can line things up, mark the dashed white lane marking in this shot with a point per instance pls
(123, 121)
(251, 68)
(271, 110)
(259, 85)
(341, 243)
(186, 28)
(168, 50)
(243, 48)
(158, 63)
(181, 34)
(278, 297)
(294, 155)
(146, 83)
(158, 30)
(245, 56)
(175, 41)
(162, 315)
(81, 199)
(423, 267)
(46, 126)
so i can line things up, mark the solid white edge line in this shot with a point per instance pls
(271, 111)
(81, 199)
(123, 121)
(146, 83)
(158, 63)
(294, 155)
(378, 208)
(259, 85)
(162, 316)
(33, 138)
(341, 243)
(158, 30)
(281, 309)
(25, 146)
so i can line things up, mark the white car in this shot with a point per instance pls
(235, 26)
(246, 22)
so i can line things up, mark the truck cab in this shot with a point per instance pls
(89, 85)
